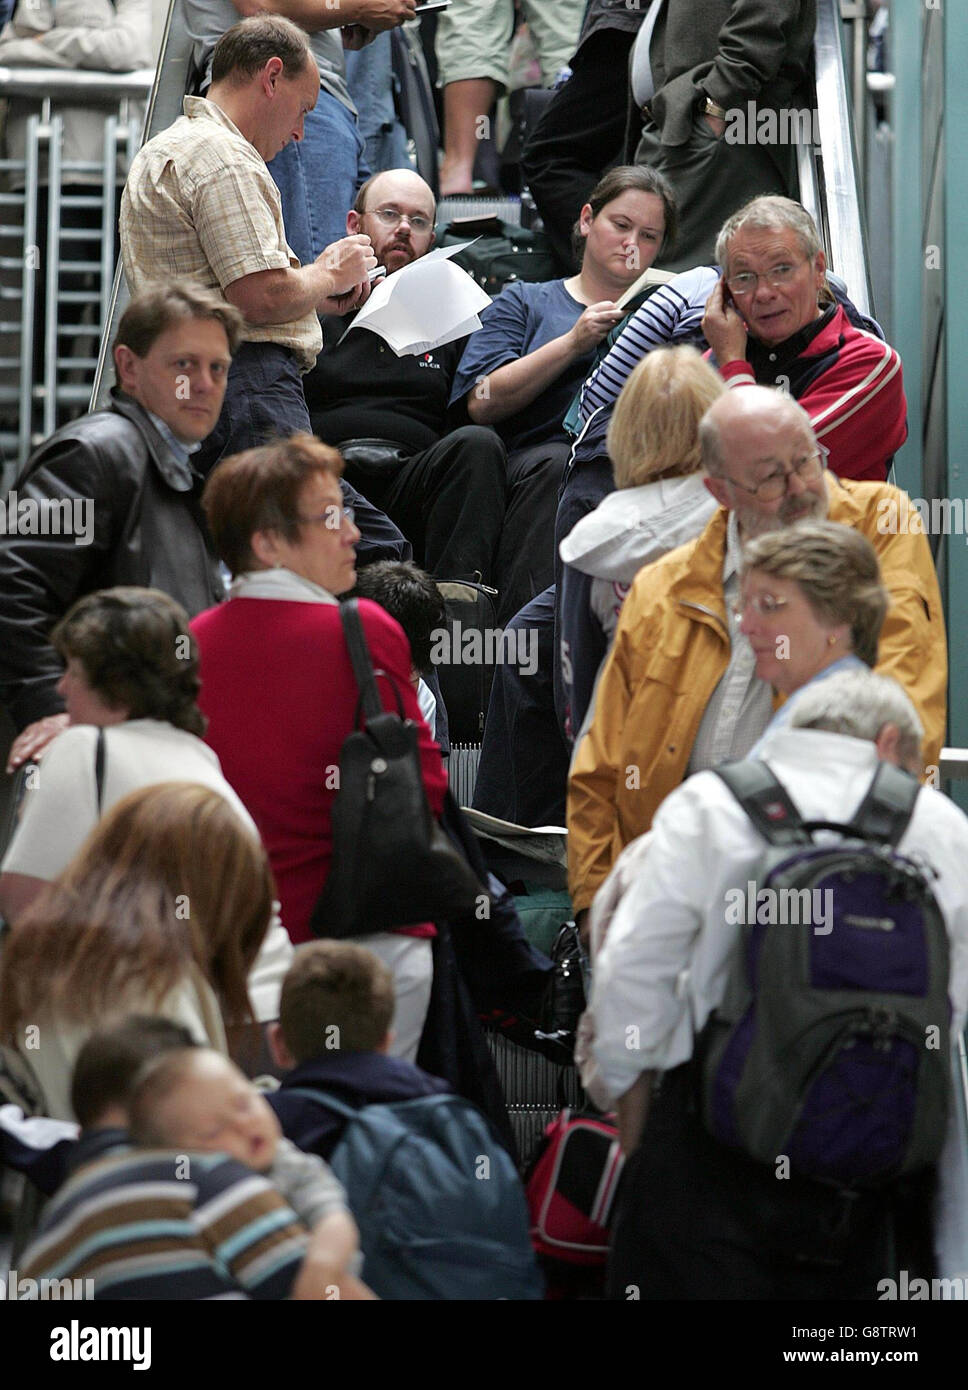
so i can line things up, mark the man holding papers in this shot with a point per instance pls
(388, 414)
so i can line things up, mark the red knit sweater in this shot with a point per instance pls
(280, 697)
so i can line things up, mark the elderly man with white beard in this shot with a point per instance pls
(679, 692)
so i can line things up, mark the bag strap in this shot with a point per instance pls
(883, 815)
(100, 758)
(766, 801)
(887, 807)
(327, 1102)
(349, 612)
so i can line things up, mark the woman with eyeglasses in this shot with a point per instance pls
(535, 346)
(811, 603)
(278, 687)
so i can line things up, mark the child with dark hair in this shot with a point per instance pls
(172, 1224)
(411, 596)
(47, 1150)
(332, 1038)
(108, 1063)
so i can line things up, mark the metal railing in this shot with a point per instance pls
(171, 81)
(57, 221)
(834, 182)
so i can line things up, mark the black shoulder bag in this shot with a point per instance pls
(392, 864)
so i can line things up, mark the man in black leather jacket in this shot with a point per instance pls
(112, 498)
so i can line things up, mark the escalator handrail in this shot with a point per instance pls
(842, 218)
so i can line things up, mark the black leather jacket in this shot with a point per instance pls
(144, 528)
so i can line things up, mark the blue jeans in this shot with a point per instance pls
(369, 76)
(318, 178)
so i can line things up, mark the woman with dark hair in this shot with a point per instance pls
(278, 687)
(536, 345)
(162, 911)
(130, 686)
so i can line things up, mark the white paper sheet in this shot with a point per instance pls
(426, 304)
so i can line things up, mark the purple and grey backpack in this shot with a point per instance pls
(831, 1045)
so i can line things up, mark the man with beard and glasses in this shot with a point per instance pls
(679, 693)
(389, 416)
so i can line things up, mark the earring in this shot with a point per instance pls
(831, 641)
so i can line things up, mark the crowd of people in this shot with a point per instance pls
(677, 485)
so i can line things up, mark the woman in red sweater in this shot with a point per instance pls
(278, 688)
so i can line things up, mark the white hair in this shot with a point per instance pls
(859, 703)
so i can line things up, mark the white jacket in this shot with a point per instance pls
(631, 528)
(663, 964)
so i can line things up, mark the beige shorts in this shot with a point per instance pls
(474, 37)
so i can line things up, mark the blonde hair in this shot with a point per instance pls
(654, 431)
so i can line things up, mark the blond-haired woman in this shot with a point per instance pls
(660, 502)
(162, 911)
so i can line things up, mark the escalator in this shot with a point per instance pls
(830, 189)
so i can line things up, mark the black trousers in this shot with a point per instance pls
(448, 500)
(694, 1219)
(526, 555)
(523, 771)
(580, 134)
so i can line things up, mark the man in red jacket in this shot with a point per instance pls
(772, 321)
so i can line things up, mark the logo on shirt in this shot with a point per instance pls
(427, 360)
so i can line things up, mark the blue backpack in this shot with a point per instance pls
(438, 1202)
(831, 1045)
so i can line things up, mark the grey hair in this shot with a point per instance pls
(859, 703)
(770, 212)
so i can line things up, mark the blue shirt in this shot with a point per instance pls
(522, 319)
(179, 451)
(784, 714)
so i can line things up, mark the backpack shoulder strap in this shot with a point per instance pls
(349, 613)
(325, 1102)
(766, 801)
(888, 805)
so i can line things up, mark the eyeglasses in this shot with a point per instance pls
(747, 281)
(773, 487)
(332, 518)
(391, 218)
(764, 604)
